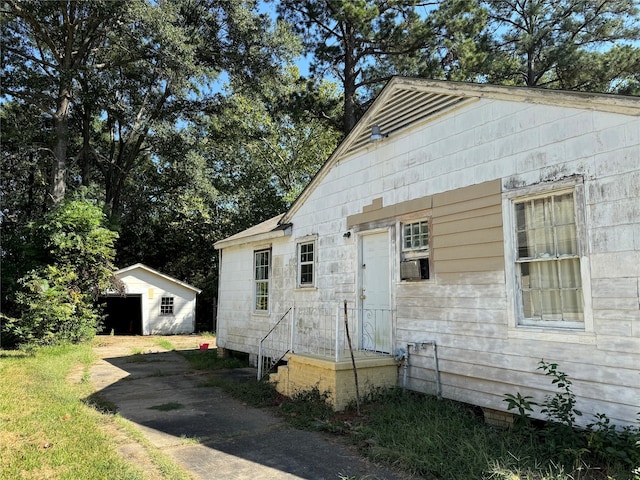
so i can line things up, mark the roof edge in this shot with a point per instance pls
(156, 272)
(605, 102)
(282, 230)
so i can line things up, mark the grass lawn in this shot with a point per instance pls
(47, 428)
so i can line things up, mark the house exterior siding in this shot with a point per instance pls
(461, 170)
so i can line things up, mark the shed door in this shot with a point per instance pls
(375, 295)
(123, 315)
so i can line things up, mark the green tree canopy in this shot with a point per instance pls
(363, 43)
(589, 45)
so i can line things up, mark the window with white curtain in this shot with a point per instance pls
(547, 261)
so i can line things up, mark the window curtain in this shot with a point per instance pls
(548, 260)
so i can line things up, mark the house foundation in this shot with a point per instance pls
(303, 373)
(498, 418)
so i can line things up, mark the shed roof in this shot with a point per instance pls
(140, 266)
(266, 230)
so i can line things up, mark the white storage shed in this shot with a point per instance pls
(154, 304)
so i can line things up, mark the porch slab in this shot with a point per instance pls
(336, 378)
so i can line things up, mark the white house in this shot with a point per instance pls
(473, 230)
(154, 304)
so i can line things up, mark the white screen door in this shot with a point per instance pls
(375, 294)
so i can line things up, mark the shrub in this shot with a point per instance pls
(562, 441)
(57, 299)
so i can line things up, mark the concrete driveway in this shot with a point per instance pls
(207, 432)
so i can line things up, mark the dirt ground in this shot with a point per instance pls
(125, 344)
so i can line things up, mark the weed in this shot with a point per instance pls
(611, 444)
(184, 440)
(101, 404)
(207, 334)
(164, 343)
(308, 409)
(137, 357)
(163, 462)
(166, 407)
(563, 441)
(208, 360)
(431, 438)
(256, 394)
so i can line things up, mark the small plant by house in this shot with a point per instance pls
(308, 409)
(601, 446)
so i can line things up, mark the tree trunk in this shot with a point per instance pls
(349, 80)
(61, 127)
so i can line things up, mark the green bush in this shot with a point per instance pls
(57, 300)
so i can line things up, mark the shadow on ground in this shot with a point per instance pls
(210, 433)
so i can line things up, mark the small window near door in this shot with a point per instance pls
(166, 306)
(306, 264)
(262, 259)
(414, 261)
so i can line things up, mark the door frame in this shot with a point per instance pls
(391, 242)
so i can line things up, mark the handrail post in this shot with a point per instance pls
(337, 325)
(292, 339)
(260, 360)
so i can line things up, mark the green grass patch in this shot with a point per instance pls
(447, 440)
(256, 394)
(308, 410)
(166, 466)
(166, 407)
(101, 404)
(43, 418)
(207, 334)
(164, 343)
(137, 357)
(433, 438)
(208, 360)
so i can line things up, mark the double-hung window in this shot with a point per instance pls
(414, 264)
(306, 264)
(547, 261)
(262, 265)
(166, 306)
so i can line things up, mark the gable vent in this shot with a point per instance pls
(405, 108)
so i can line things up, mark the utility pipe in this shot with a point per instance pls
(403, 354)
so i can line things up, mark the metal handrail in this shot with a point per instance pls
(281, 355)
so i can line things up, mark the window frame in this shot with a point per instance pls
(261, 281)
(415, 253)
(517, 320)
(167, 308)
(300, 263)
